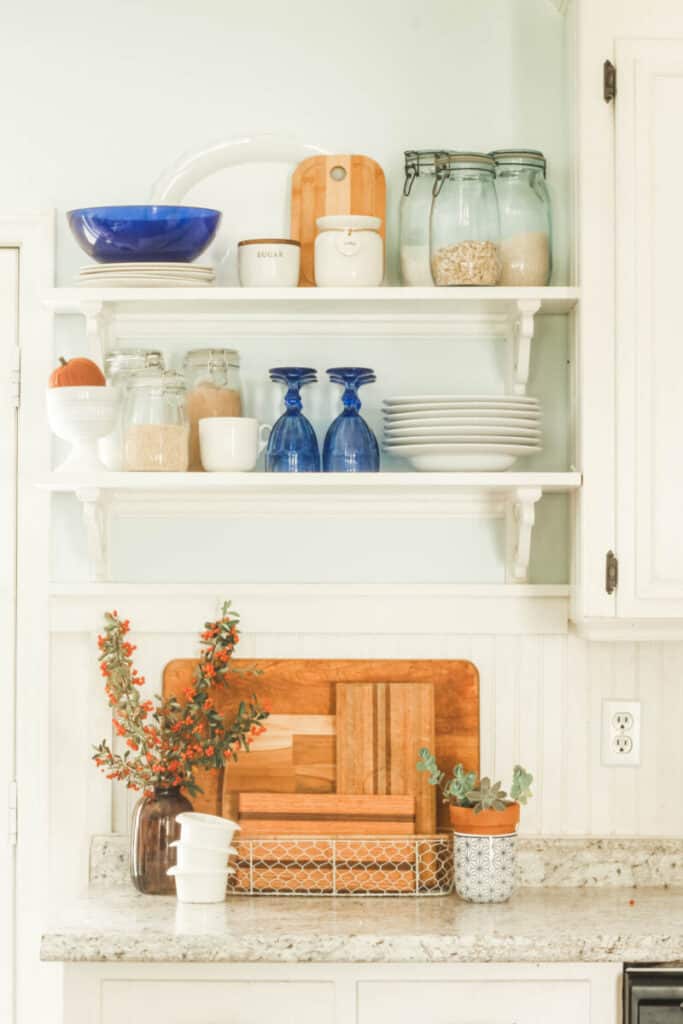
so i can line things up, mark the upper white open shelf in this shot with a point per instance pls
(113, 314)
(336, 303)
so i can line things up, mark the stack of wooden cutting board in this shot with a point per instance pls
(338, 760)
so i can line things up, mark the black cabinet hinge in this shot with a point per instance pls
(609, 81)
(611, 572)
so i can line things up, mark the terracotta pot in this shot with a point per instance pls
(486, 823)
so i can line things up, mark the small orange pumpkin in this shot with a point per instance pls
(76, 373)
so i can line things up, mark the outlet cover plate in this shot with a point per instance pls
(621, 724)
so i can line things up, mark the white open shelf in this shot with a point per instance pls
(113, 315)
(336, 302)
(512, 496)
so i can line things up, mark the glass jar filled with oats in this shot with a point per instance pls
(156, 431)
(465, 225)
(212, 376)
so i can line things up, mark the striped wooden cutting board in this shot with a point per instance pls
(309, 814)
(380, 729)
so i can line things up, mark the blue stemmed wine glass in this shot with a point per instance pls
(292, 445)
(350, 445)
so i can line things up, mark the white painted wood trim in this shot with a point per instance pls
(33, 235)
(591, 38)
(653, 631)
(9, 359)
(320, 609)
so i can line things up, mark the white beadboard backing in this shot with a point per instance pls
(541, 699)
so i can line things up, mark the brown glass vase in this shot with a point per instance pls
(153, 830)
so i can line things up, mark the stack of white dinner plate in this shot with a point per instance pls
(462, 432)
(145, 275)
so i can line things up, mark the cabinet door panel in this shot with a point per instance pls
(649, 370)
(474, 1002)
(218, 1002)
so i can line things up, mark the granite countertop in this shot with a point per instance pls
(538, 924)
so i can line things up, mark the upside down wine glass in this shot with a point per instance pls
(350, 445)
(292, 445)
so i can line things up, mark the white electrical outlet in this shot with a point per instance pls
(620, 732)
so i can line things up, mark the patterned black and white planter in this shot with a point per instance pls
(485, 867)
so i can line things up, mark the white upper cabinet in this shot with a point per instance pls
(649, 335)
(630, 370)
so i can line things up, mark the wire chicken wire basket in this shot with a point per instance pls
(349, 866)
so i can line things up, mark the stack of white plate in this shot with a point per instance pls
(145, 275)
(462, 432)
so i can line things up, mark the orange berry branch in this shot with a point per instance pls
(166, 740)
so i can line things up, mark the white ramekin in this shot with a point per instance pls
(206, 830)
(201, 858)
(200, 886)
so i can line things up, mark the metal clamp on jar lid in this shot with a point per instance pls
(215, 361)
(519, 158)
(417, 162)
(128, 360)
(155, 377)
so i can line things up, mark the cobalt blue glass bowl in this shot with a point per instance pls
(136, 234)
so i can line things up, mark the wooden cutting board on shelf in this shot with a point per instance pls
(301, 688)
(324, 185)
(380, 729)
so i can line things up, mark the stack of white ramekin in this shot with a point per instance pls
(203, 855)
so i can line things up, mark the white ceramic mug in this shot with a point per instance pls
(231, 444)
(269, 262)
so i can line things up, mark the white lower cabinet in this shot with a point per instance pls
(216, 1001)
(474, 1002)
(297, 993)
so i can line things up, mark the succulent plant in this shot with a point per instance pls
(464, 790)
(458, 789)
(426, 762)
(489, 796)
(521, 784)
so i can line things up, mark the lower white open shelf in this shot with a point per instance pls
(313, 495)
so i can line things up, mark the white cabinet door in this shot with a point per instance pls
(9, 298)
(649, 327)
(217, 1001)
(475, 1002)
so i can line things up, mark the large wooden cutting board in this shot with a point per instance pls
(307, 687)
(323, 185)
(380, 729)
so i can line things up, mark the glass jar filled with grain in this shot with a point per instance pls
(525, 217)
(212, 376)
(415, 210)
(119, 365)
(156, 431)
(465, 228)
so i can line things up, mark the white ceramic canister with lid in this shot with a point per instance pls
(349, 251)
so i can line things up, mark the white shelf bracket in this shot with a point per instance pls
(96, 523)
(98, 328)
(521, 516)
(522, 336)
